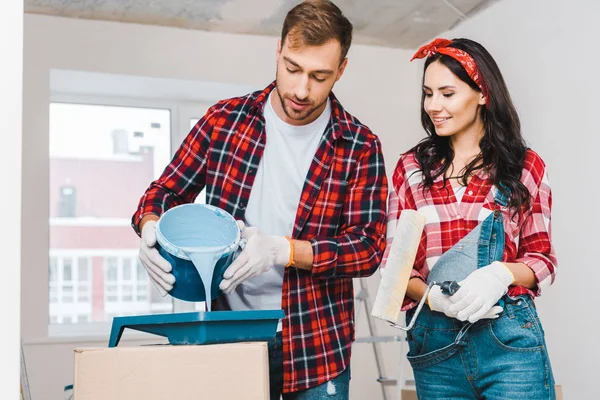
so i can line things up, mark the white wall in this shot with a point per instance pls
(11, 81)
(547, 51)
(380, 87)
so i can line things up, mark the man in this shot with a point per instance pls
(289, 161)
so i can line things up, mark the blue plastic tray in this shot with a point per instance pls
(202, 327)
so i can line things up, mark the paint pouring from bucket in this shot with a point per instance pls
(205, 264)
(202, 234)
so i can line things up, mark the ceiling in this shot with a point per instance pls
(392, 23)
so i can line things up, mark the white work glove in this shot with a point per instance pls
(260, 254)
(440, 302)
(157, 267)
(480, 291)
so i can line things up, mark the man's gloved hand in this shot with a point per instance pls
(440, 302)
(157, 267)
(480, 291)
(260, 254)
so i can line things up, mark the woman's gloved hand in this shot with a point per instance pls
(440, 302)
(480, 291)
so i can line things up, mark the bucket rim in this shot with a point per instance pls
(178, 252)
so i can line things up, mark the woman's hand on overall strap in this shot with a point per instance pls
(440, 302)
(480, 291)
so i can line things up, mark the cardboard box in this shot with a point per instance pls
(225, 371)
(409, 393)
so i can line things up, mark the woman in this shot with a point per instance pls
(487, 202)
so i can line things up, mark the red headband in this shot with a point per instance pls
(441, 46)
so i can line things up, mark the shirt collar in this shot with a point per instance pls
(338, 114)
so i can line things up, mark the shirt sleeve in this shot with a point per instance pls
(393, 214)
(185, 176)
(357, 251)
(535, 245)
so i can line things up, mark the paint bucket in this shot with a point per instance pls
(206, 230)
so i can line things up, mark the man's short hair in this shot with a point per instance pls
(315, 22)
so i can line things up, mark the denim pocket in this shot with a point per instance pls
(416, 340)
(518, 328)
(430, 346)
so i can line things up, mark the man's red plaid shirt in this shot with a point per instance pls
(342, 212)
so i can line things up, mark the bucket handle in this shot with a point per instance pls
(241, 244)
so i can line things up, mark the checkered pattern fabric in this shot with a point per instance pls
(341, 211)
(528, 239)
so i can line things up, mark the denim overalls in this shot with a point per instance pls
(503, 358)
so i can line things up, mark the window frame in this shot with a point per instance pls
(181, 112)
(76, 284)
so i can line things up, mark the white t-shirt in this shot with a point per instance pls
(275, 196)
(459, 192)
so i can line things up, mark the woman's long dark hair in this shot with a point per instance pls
(502, 146)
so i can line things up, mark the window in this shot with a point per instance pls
(128, 288)
(67, 202)
(83, 280)
(102, 158)
(53, 280)
(109, 136)
(70, 287)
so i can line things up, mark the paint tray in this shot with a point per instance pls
(202, 327)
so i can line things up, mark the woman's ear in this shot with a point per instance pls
(482, 99)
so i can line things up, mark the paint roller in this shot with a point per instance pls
(396, 273)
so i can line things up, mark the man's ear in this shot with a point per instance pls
(341, 69)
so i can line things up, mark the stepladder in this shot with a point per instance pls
(364, 304)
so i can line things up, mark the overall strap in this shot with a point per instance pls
(491, 240)
(502, 193)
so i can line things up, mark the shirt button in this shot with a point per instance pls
(470, 192)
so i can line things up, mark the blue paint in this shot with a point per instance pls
(196, 227)
(200, 242)
(205, 261)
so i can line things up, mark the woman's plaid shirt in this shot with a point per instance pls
(527, 239)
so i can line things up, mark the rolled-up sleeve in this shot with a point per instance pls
(185, 176)
(358, 250)
(535, 245)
